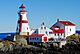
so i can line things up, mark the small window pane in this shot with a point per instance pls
(61, 34)
(33, 38)
(27, 28)
(70, 29)
(44, 27)
(46, 32)
(30, 38)
(58, 34)
(50, 32)
(37, 38)
(55, 34)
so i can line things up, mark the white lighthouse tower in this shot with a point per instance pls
(22, 26)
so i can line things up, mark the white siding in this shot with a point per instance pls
(46, 32)
(69, 30)
(24, 17)
(25, 27)
(49, 35)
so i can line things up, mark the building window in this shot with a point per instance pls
(50, 32)
(27, 28)
(41, 27)
(55, 34)
(35, 32)
(46, 32)
(64, 36)
(30, 38)
(37, 38)
(33, 38)
(58, 34)
(70, 29)
(44, 27)
(61, 34)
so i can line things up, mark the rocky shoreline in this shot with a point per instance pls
(68, 49)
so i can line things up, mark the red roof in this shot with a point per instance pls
(67, 23)
(37, 35)
(22, 10)
(58, 31)
(55, 27)
(22, 6)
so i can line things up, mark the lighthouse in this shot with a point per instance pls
(22, 24)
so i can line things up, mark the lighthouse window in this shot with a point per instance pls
(27, 28)
(22, 13)
(70, 29)
(41, 27)
(44, 27)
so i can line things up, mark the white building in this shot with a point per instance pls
(38, 38)
(52, 35)
(69, 28)
(60, 30)
(44, 30)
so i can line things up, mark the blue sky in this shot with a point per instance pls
(38, 11)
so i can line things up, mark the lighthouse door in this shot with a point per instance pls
(27, 33)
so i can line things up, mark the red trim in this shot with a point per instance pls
(53, 27)
(23, 21)
(58, 31)
(20, 29)
(37, 35)
(22, 10)
(67, 23)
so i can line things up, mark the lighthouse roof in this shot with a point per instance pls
(22, 6)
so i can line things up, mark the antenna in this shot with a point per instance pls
(42, 20)
(57, 20)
